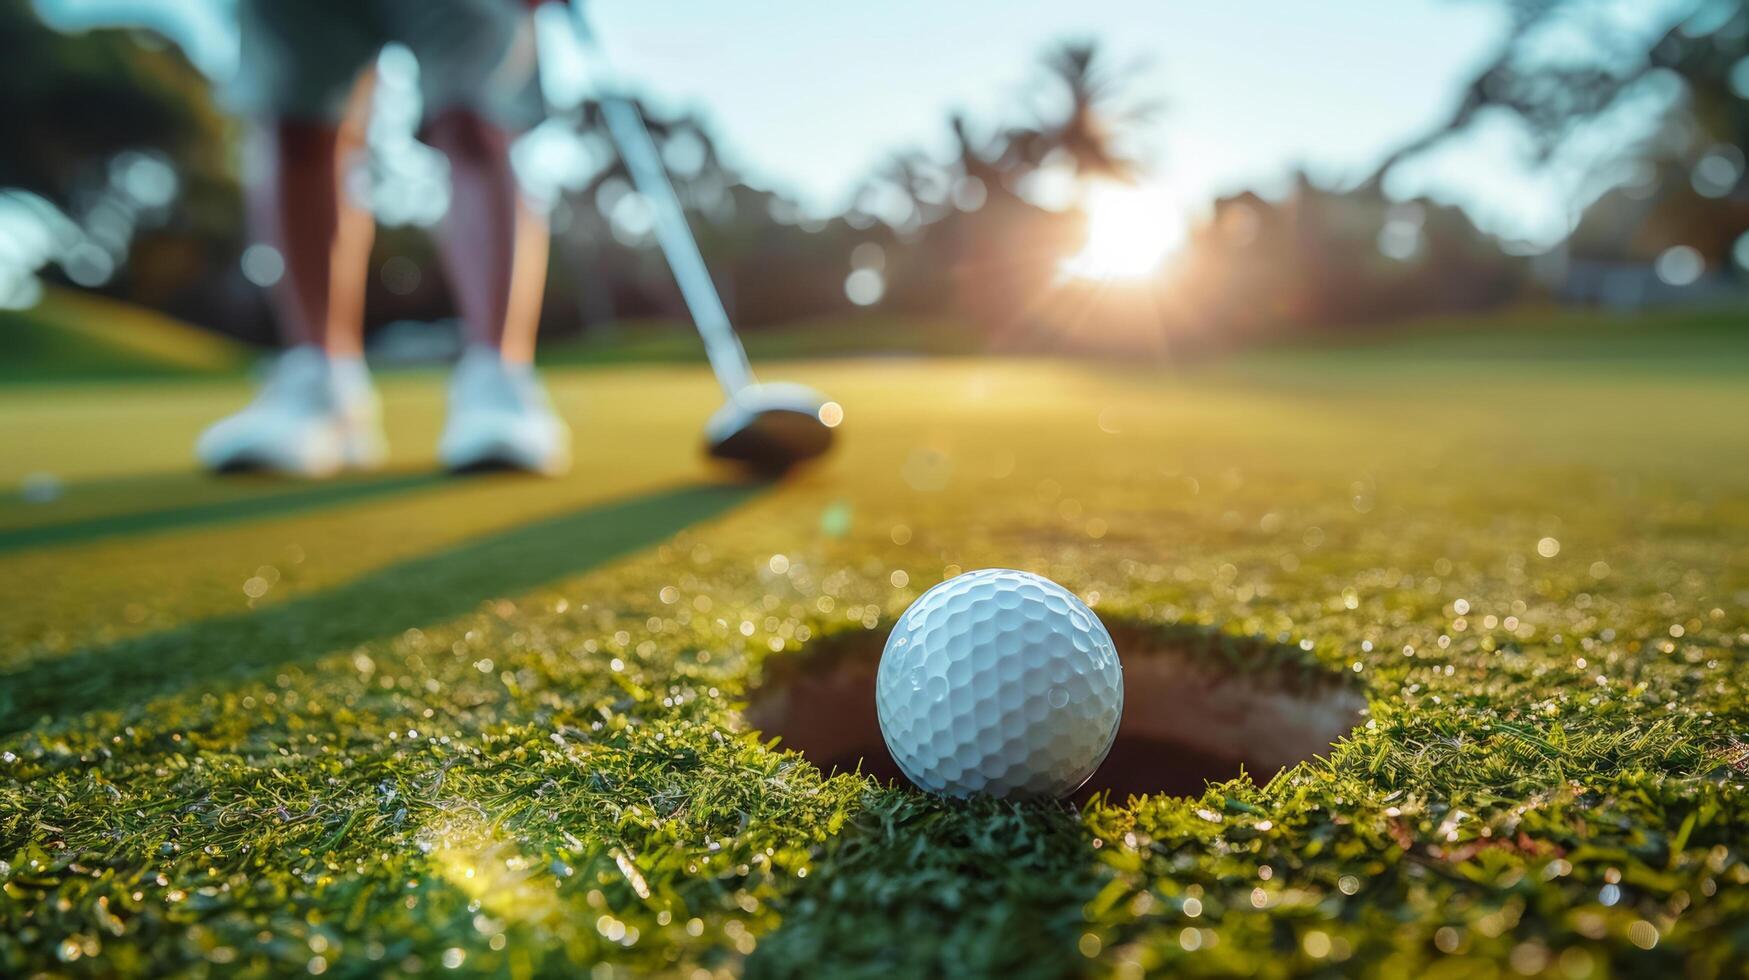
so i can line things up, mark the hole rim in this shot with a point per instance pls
(1243, 685)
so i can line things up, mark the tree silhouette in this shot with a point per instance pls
(1088, 126)
(70, 102)
(1554, 97)
(1098, 115)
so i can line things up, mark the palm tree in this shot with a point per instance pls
(1092, 129)
(1088, 127)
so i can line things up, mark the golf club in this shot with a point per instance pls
(768, 427)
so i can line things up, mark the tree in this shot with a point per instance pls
(1556, 89)
(1091, 128)
(68, 103)
(1553, 97)
(1088, 124)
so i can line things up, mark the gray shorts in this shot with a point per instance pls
(300, 59)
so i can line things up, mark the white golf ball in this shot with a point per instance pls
(999, 682)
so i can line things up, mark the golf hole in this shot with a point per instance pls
(1199, 707)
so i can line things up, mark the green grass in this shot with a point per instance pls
(1689, 343)
(398, 724)
(673, 341)
(74, 335)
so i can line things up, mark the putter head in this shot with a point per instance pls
(772, 427)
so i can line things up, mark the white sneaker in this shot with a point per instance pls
(501, 417)
(313, 417)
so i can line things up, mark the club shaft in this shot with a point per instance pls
(728, 358)
(625, 124)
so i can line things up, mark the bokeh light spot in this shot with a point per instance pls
(262, 264)
(1680, 265)
(865, 287)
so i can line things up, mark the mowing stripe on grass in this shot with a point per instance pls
(280, 501)
(417, 592)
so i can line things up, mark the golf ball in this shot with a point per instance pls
(999, 682)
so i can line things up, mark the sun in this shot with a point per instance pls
(1130, 231)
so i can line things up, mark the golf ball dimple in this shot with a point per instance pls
(999, 682)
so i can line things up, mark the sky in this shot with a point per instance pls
(818, 93)
(809, 97)
(812, 96)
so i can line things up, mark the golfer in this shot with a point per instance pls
(304, 86)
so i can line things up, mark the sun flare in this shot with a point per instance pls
(1130, 231)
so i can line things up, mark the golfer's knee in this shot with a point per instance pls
(464, 134)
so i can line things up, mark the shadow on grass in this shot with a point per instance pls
(417, 592)
(234, 499)
(917, 886)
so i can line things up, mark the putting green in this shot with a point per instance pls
(401, 722)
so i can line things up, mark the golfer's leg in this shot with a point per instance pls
(477, 79)
(301, 65)
(494, 246)
(298, 205)
(304, 84)
(494, 251)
